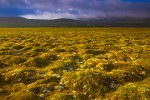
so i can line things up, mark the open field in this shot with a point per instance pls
(74, 63)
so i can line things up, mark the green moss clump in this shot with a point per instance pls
(87, 81)
(17, 60)
(61, 67)
(53, 78)
(37, 49)
(118, 75)
(18, 75)
(60, 96)
(49, 56)
(94, 52)
(81, 97)
(40, 62)
(18, 87)
(135, 73)
(37, 62)
(131, 91)
(59, 50)
(108, 67)
(105, 66)
(22, 95)
(18, 47)
(2, 64)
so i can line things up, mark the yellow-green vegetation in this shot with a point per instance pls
(74, 64)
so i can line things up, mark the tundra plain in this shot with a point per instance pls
(74, 63)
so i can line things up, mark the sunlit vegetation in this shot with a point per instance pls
(74, 64)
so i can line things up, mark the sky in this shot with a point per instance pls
(75, 9)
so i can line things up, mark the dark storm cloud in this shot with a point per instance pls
(13, 3)
(49, 9)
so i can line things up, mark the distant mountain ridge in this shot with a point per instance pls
(102, 22)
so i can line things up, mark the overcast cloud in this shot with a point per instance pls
(53, 9)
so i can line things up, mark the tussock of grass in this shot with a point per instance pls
(131, 91)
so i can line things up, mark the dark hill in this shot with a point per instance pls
(102, 22)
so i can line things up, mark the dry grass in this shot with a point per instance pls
(74, 63)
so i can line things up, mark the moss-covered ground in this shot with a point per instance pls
(74, 64)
